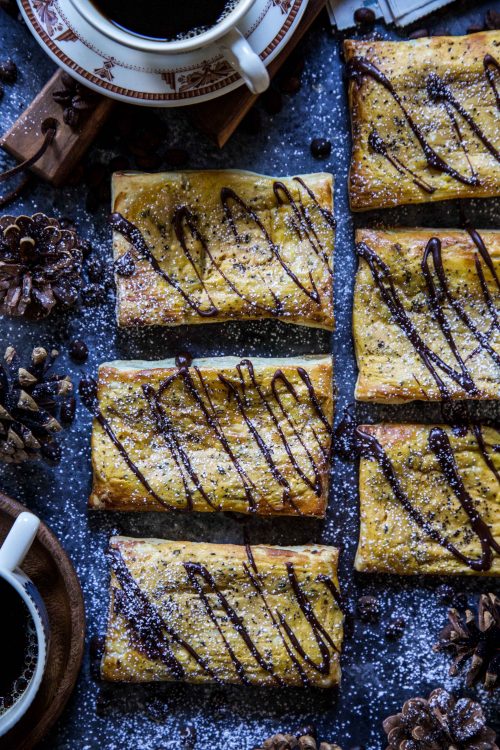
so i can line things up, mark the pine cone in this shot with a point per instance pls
(40, 266)
(439, 723)
(474, 638)
(304, 740)
(32, 406)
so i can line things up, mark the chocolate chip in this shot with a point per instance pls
(321, 148)
(364, 16)
(395, 629)
(176, 157)
(272, 101)
(290, 85)
(8, 71)
(93, 295)
(125, 265)
(78, 351)
(418, 34)
(368, 609)
(67, 412)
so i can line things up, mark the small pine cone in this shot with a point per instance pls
(40, 266)
(439, 723)
(473, 639)
(31, 401)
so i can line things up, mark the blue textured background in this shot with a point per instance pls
(377, 674)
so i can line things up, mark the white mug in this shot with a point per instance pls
(12, 554)
(225, 34)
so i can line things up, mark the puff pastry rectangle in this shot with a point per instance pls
(222, 434)
(425, 119)
(439, 512)
(265, 616)
(213, 246)
(426, 315)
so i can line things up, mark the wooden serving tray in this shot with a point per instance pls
(48, 565)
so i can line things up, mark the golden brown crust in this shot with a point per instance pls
(246, 436)
(391, 370)
(232, 276)
(459, 62)
(147, 631)
(390, 540)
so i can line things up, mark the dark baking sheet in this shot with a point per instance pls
(378, 675)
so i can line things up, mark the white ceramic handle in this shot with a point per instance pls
(18, 541)
(247, 62)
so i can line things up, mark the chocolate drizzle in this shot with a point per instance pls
(353, 440)
(186, 231)
(490, 66)
(436, 295)
(153, 636)
(439, 93)
(201, 397)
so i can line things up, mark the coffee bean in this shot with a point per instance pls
(418, 34)
(272, 101)
(94, 268)
(78, 351)
(67, 411)
(93, 295)
(368, 609)
(321, 148)
(364, 16)
(290, 85)
(176, 157)
(85, 247)
(51, 452)
(395, 629)
(8, 71)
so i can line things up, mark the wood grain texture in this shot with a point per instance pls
(220, 117)
(25, 136)
(53, 574)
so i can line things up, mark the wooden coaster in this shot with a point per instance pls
(219, 118)
(53, 574)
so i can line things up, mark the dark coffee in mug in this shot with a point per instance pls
(165, 20)
(19, 646)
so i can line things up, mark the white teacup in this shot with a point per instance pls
(225, 34)
(12, 554)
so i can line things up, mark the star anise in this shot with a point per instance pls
(75, 100)
(40, 266)
(34, 405)
(473, 639)
(439, 723)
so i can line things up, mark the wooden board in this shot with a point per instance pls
(53, 574)
(219, 118)
(69, 144)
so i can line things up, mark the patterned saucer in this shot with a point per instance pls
(153, 79)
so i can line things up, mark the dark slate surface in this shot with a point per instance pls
(378, 675)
